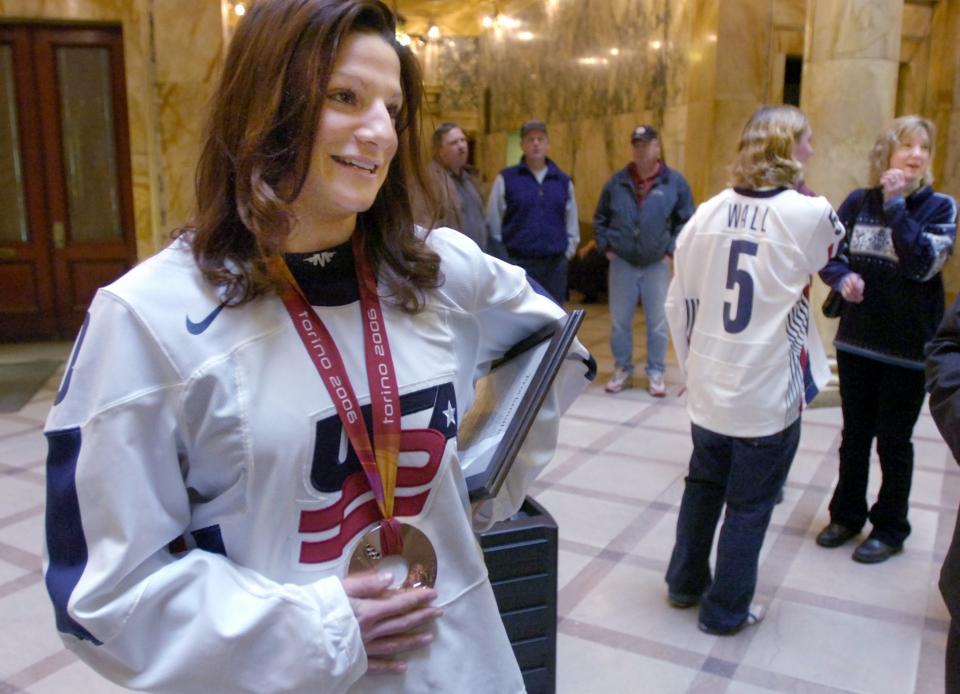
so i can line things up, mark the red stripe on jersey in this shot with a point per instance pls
(429, 441)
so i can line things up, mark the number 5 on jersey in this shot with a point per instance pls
(742, 281)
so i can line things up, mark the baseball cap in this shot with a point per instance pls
(645, 133)
(533, 126)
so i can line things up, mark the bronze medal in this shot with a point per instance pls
(415, 567)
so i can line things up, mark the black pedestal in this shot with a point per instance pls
(521, 557)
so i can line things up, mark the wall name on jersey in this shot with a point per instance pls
(744, 215)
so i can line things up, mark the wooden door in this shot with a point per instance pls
(66, 222)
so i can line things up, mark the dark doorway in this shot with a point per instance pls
(792, 74)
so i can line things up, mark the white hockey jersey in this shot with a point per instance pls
(739, 312)
(203, 500)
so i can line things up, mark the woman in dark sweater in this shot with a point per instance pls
(901, 233)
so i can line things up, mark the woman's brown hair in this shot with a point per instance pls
(258, 144)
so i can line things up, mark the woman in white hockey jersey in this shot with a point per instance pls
(273, 400)
(739, 315)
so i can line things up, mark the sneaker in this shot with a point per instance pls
(620, 380)
(657, 388)
(754, 616)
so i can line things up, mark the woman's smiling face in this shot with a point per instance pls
(912, 155)
(356, 137)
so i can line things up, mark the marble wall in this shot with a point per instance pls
(593, 70)
(171, 53)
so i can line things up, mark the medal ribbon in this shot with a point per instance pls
(379, 463)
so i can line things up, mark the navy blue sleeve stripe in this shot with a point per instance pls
(210, 539)
(66, 545)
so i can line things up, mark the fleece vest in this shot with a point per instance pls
(534, 224)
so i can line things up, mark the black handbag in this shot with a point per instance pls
(833, 305)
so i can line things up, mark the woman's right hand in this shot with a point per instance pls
(894, 182)
(389, 619)
(851, 288)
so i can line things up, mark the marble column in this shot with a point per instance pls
(188, 54)
(943, 105)
(849, 89)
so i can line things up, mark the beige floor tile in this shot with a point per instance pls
(569, 564)
(813, 439)
(805, 466)
(899, 584)
(654, 444)
(595, 523)
(672, 417)
(735, 687)
(28, 633)
(658, 542)
(632, 600)
(832, 648)
(627, 476)
(18, 495)
(76, 677)
(594, 405)
(10, 572)
(25, 449)
(580, 433)
(824, 415)
(26, 535)
(588, 667)
(11, 425)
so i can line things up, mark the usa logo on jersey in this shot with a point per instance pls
(327, 527)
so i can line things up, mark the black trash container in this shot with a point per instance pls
(521, 557)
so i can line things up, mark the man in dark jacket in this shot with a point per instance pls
(532, 212)
(641, 211)
(943, 383)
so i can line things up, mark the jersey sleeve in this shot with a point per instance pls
(139, 614)
(838, 266)
(682, 303)
(826, 238)
(505, 309)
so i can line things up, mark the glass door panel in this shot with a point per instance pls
(13, 214)
(89, 143)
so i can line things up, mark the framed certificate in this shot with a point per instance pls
(507, 402)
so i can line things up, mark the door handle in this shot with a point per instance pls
(59, 236)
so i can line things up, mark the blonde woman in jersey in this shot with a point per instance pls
(739, 315)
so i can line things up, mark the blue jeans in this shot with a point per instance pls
(627, 284)
(746, 474)
(550, 272)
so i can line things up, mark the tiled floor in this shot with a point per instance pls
(614, 488)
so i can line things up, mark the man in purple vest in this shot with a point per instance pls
(532, 213)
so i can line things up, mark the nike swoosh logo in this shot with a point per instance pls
(197, 328)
